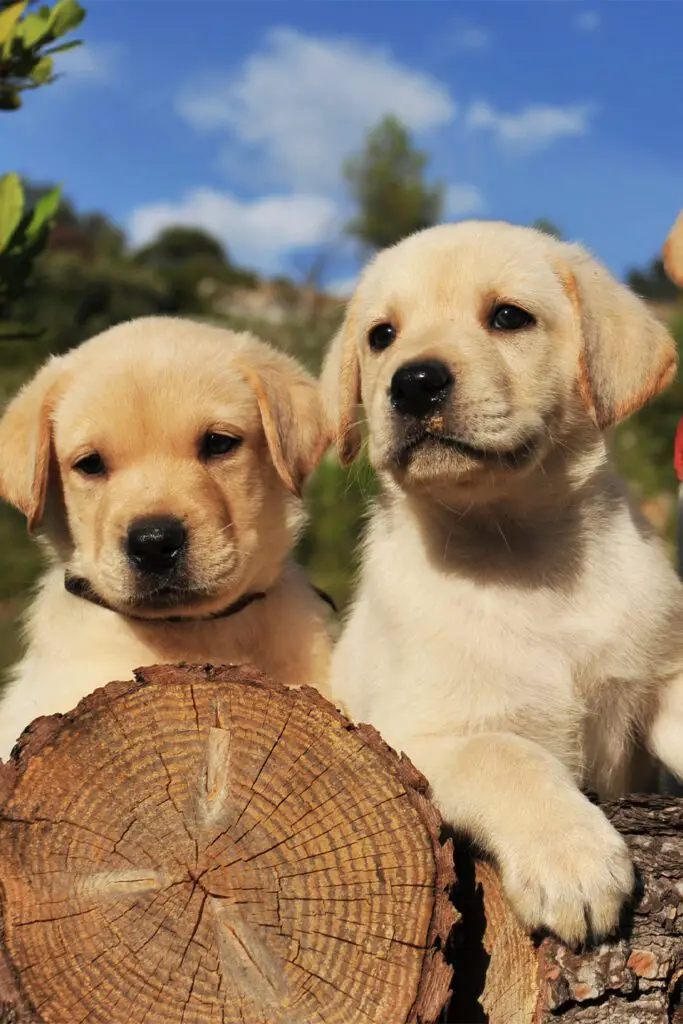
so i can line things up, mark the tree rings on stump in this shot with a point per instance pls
(203, 845)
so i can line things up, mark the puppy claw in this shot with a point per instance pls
(572, 882)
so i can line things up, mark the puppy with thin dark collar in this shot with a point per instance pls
(162, 463)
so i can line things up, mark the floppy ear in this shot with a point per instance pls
(25, 443)
(340, 388)
(627, 356)
(292, 417)
(673, 252)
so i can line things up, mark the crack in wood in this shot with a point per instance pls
(249, 856)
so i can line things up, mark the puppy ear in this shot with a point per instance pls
(340, 387)
(673, 252)
(291, 414)
(25, 443)
(627, 356)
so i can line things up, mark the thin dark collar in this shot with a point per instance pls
(78, 586)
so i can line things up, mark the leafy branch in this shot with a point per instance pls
(28, 43)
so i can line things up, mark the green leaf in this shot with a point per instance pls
(9, 98)
(42, 72)
(11, 207)
(8, 21)
(66, 15)
(43, 213)
(33, 29)
(63, 47)
(12, 331)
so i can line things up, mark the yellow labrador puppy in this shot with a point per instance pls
(162, 462)
(518, 631)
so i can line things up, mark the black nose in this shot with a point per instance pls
(418, 389)
(154, 544)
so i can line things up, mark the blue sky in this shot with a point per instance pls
(237, 116)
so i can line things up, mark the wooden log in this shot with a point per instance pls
(637, 979)
(203, 845)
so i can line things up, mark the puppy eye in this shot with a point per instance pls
(510, 318)
(91, 465)
(381, 336)
(214, 445)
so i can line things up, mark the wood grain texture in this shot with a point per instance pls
(203, 845)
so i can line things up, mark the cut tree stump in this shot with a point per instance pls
(203, 845)
(635, 980)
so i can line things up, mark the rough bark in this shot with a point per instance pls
(637, 979)
(203, 845)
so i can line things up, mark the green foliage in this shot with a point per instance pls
(70, 299)
(34, 192)
(387, 181)
(20, 556)
(303, 337)
(653, 283)
(27, 46)
(547, 227)
(20, 563)
(28, 42)
(23, 234)
(193, 264)
(643, 445)
(339, 500)
(176, 246)
(87, 280)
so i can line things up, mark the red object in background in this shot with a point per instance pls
(678, 451)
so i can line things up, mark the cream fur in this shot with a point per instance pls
(143, 394)
(517, 630)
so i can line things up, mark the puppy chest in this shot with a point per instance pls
(475, 660)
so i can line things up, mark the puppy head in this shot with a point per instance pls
(478, 348)
(164, 459)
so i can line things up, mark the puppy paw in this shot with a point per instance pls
(572, 878)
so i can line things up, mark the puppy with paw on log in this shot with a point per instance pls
(518, 628)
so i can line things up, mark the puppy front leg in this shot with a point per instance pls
(563, 865)
(665, 739)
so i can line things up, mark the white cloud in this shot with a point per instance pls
(587, 21)
(258, 233)
(534, 127)
(302, 104)
(89, 63)
(471, 37)
(462, 200)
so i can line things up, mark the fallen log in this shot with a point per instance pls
(204, 845)
(637, 979)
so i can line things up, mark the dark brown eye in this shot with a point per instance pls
(381, 336)
(214, 445)
(91, 465)
(510, 318)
